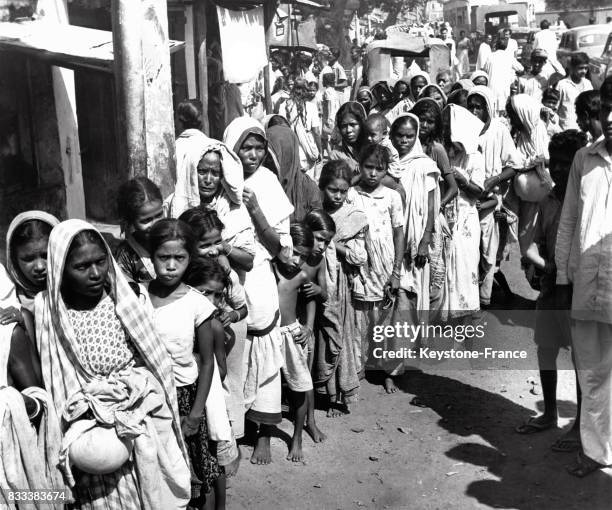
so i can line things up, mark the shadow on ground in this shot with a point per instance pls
(531, 476)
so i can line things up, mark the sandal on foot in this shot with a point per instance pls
(584, 466)
(532, 426)
(566, 445)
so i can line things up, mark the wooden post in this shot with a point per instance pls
(199, 17)
(127, 20)
(269, 11)
(159, 111)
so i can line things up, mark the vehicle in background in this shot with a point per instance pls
(590, 39)
(601, 67)
(521, 36)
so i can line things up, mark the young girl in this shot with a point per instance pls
(419, 178)
(182, 315)
(208, 230)
(380, 278)
(26, 258)
(139, 203)
(210, 278)
(339, 360)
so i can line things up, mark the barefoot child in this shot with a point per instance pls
(208, 229)
(552, 325)
(338, 362)
(384, 244)
(290, 276)
(139, 203)
(211, 279)
(323, 230)
(183, 315)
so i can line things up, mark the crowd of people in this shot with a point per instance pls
(260, 281)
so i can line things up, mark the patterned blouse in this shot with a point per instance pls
(103, 343)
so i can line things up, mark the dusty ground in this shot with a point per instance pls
(459, 451)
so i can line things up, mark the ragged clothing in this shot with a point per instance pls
(295, 367)
(68, 376)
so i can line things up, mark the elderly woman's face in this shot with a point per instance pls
(209, 175)
(86, 270)
(251, 153)
(480, 80)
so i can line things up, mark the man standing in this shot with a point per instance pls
(546, 40)
(501, 68)
(511, 44)
(484, 51)
(583, 258)
(356, 71)
(444, 35)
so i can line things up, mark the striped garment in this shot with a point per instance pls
(65, 372)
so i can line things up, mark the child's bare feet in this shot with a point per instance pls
(390, 386)
(232, 468)
(315, 432)
(261, 453)
(336, 410)
(295, 452)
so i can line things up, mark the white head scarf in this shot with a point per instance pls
(533, 138)
(465, 128)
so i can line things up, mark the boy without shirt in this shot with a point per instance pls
(290, 277)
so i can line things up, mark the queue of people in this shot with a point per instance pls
(259, 281)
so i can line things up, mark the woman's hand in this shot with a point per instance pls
(394, 283)
(189, 425)
(303, 335)
(228, 318)
(250, 200)
(10, 315)
(423, 252)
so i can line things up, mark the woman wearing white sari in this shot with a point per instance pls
(461, 130)
(270, 210)
(532, 143)
(418, 175)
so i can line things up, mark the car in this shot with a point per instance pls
(521, 36)
(601, 67)
(590, 39)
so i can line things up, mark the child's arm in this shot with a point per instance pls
(423, 251)
(399, 244)
(205, 338)
(318, 289)
(496, 180)
(219, 347)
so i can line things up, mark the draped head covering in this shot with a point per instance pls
(479, 74)
(487, 95)
(377, 88)
(533, 139)
(417, 149)
(239, 130)
(465, 84)
(417, 171)
(300, 189)
(432, 86)
(25, 290)
(365, 88)
(191, 146)
(414, 75)
(465, 128)
(268, 119)
(67, 373)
